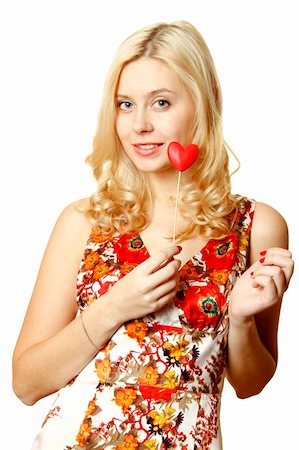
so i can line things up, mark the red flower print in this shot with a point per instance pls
(202, 306)
(104, 287)
(130, 248)
(156, 393)
(221, 254)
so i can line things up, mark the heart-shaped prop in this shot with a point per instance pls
(182, 157)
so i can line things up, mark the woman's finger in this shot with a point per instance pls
(277, 251)
(268, 287)
(158, 259)
(160, 291)
(166, 273)
(278, 260)
(276, 273)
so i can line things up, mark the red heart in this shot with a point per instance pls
(182, 157)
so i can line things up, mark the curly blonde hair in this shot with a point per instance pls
(123, 196)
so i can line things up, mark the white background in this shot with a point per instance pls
(54, 56)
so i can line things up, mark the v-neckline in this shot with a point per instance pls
(190, 260)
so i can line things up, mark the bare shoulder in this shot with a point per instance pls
(269, 229)
(73, 220)
(71, 232)
(75, 211)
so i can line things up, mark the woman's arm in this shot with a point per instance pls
(255, 305)
(52, 347)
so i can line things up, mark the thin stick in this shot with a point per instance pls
(176, 207)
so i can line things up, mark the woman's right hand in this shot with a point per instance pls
(147, 288)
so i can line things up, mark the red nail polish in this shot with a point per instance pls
(251, 274)
(262, 260)
(263, 252)
(180, 248)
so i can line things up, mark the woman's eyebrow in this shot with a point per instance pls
(149, 94)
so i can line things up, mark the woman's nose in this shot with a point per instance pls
(142, 122)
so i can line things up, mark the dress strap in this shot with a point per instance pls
(243, 226)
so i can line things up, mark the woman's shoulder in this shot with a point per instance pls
(265, 216)
(269, 228)
(77, 206)
(75, 212)
(73, 225)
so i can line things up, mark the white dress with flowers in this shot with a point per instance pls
(157, 384)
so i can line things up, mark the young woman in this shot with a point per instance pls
(134, 332)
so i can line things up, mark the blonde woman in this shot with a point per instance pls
(135, 333)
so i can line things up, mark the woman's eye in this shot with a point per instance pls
(125, 105)
(162, 103)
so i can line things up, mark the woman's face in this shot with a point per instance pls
(153, 109)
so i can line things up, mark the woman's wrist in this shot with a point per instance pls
(238, 321)
(100, 321)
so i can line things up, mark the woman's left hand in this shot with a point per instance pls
(262, 285)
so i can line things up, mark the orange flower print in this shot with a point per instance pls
(97, 237)
(243, 240)
(91, 260)
(103, 369)
(219, 277)
(137, 330)
(84, 433)
(151, 444)
(92, 408)
(149, 377)
(160, 420)
(125, 398)
(100, 270)
(171, 381)
(188, 271)
(176, 352)
(107, 347)
(127, 267)
(130, 443)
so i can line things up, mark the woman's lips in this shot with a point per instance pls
(147, 149)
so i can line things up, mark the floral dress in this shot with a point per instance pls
(157, 383)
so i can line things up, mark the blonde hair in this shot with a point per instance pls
(121, 201)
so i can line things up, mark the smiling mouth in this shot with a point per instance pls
(147, 149)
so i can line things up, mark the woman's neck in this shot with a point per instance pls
(164, 186)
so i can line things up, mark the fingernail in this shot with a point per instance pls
(262, 260)
(180, 248)
(263, 252)
(251, 274)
